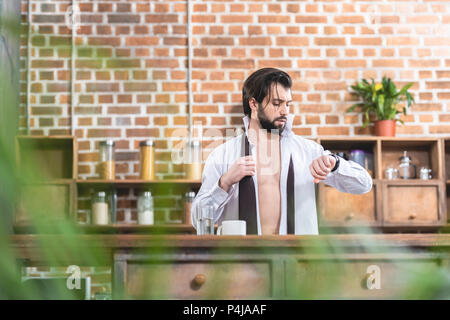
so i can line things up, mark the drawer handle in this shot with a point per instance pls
(199, 280)
(412, 216)
(349, 216)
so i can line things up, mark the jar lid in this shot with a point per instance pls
(147, 143)
(101, 194)
(357, 151)
(146, 193)
(109, 143)
(190, 194)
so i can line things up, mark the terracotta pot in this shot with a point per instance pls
(385, 128)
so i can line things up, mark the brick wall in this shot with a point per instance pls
(130, 69)
(130, 72)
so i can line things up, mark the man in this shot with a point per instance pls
(267, 175)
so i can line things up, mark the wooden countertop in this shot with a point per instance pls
(99, 249)
(142, 240)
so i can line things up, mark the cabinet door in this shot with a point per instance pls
(198, 280)
(338, 208)
(412, 204)
(359, 278)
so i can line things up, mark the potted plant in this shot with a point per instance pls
(384, 101)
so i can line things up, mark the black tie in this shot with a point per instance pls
(247, 197)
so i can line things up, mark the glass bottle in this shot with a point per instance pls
(188, 199)
(205, 219)
(107, 163)
(193, 161)
(147, 154)
(145, 208)
(100, 210)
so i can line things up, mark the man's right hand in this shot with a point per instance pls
(244, 166)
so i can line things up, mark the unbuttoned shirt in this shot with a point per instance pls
(350, 177)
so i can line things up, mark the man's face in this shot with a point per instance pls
(272, 112)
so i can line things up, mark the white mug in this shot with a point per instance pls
(232, 227)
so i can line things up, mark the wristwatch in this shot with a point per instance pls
(337, 161)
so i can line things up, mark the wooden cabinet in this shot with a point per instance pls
(292, 267)
(199, 279)
(421, 204)
(411, 203)
(51, 191)
(385, 266)
(363, 276)
(415, 204)
(47, 169)
(348, 209)
(204, 275)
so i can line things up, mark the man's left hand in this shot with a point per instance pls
(321, 167)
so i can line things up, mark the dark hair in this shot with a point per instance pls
(258, 85)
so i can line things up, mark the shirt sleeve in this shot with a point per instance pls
(210, 193)
(349, 177)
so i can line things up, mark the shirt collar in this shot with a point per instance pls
(286, 132)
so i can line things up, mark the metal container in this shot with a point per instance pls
(407, 170)
(425, 173)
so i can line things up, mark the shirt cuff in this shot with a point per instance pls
(343, 169)
(219, 195)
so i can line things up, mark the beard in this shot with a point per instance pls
(270, 125)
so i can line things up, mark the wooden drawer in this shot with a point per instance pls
(177, 280)
(344, 208)
(412, 204)
(352, 279)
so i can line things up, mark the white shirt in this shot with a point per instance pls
(350, 177)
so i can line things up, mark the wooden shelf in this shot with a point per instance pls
(136, 228)
(411, 182)
(47, 158)
(113, 229)
(412, 204)
(136, 182)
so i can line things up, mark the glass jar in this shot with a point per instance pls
(358, 156)
(205, 219)
(147, 155)
(107, 163)
(391, 173)
(145, 208)
(407, 170)
(193, 161)
(100, 210)
(188, 199)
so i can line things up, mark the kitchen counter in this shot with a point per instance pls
(263, 267)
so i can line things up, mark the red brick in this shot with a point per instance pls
(292, 41)
(329, 41)
(141, 41)
(154, 132)
(101, 133)
(331, 131)
(238, 64)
